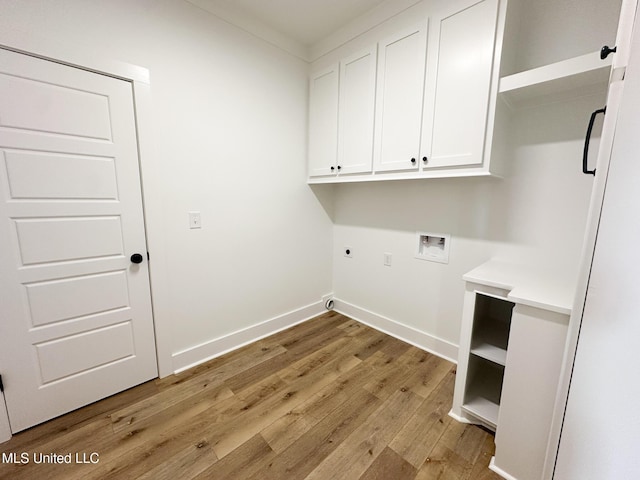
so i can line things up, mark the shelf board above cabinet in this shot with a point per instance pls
(572, 78)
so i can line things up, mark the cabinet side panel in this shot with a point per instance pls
(536, 346)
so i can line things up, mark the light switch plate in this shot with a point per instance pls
(194, 220)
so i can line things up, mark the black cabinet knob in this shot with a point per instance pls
(339, 167)
(413, 160)
(136, 258)
(333, 168)
(425, 159)
(605, 51)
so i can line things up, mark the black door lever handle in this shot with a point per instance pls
(605, 51)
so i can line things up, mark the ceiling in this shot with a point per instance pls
(304, 21)
(307, 29)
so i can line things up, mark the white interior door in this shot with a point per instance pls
(75, 312)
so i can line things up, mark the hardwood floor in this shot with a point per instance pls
(328, 399)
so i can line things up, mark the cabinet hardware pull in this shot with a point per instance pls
(585, 152)
(425, 159)
(605, 51)
(339, 167)
(333, 168)
(413, 160)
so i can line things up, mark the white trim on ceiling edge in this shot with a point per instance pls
(380, 14)
(253, 26)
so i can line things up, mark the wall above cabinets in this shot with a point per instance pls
(418, 103)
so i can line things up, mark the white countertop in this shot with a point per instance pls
(535, 286)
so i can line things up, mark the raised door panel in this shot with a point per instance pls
(323, 121)
(357, 102)
(458, 91)
(401, 64)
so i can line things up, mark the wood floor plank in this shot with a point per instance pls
(480, 470)
(313, 447)
(296, 350)
(389, 465)
(328, 398)
(79, 418)
(422, 432)
(215, 376)
(141, 449)
(395, 348)
(190, 462)
(87, 438)
(443, 464)
(230, 435)
(358, 451)
(288, 428)
(134, 415)
(372, 341)
(428, 374)
(252, 456)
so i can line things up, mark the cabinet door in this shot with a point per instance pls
(401, 63)
(357, 100)
(323, 121)
(458, 86)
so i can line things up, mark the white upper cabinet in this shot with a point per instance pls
(401, 64)
(458, 85)
(356, 112)
(420, 103)
(323, 122)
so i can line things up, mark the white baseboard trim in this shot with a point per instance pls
(417, 338)
(192, 356)
(499, 471)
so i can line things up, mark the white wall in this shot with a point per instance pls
(229, 132)
(548, 31)
(537, 212)
(229, 136)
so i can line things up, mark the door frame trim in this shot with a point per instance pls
(151, 174)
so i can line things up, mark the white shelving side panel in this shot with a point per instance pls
(572, 78)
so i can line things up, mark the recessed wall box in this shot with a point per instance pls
(433, 247)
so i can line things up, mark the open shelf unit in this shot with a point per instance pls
(487, 357)
(578, 76)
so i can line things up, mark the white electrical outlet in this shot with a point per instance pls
(194, 220)
(348, 252)
(387, 259)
